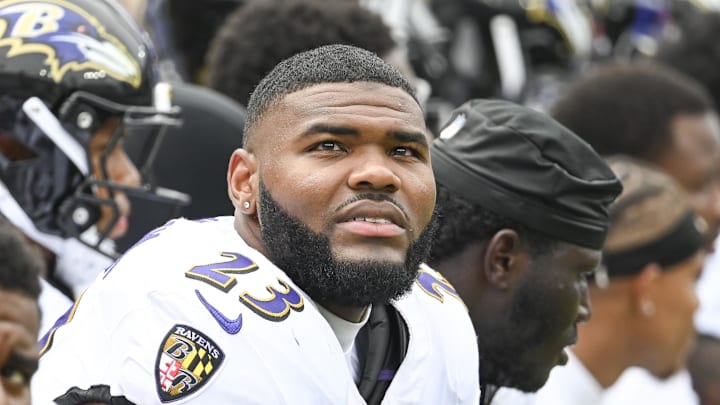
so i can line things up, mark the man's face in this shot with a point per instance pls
(120, 169)
(19, 324)
(694, 162)
(529, 337)
(349, 162)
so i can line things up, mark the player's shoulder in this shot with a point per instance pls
(186, 233)
(432, 288)
(178, 244)
(433, 298)
(437, 318)
(206, 262)
(434, 301)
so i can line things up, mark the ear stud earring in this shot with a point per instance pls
(246, 204)
(648, 308)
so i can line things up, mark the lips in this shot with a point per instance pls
(573, 338)
(374, 212)
(121, 225)
(563, 356)
(120, 228)
(368, 218)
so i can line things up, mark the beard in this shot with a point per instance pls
(307, 258)
(506, 343)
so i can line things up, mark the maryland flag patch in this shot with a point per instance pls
(186, 361)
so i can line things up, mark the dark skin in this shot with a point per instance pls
(702, 366)
(19, 324)
(525, 309)
(692, 160)
(320, 147)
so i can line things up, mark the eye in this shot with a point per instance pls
(586, 275)
(405, 151)
(327, 146)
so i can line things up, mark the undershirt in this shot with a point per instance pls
(346, 332)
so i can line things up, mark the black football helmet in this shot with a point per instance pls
(515, 50)
(66, 67)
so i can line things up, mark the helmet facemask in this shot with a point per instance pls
(63, 188)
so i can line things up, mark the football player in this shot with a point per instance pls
(313, 292)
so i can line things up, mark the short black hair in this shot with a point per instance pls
(696, 51)
(259, 35)
(326, 64)
(20, 265)
(462, 223)
(628, 108)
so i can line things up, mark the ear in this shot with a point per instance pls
(642, 290)
(242, 181)
(504, 259)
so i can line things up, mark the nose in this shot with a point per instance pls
(374, 172)
(121, 169)
(585, 309)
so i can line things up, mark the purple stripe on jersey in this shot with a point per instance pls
(62, 320)
(386, 375)
(435, 287)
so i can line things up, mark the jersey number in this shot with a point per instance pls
(221, 276)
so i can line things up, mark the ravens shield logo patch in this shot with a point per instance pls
(186, 361)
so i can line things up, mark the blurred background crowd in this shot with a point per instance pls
(524, 50)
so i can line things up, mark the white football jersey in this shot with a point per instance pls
(192, 314)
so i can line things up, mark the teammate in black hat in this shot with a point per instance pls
(524, 213)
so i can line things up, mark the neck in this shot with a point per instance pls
(350, 314)
(465, 271)
(249, 230)
(602, 346)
